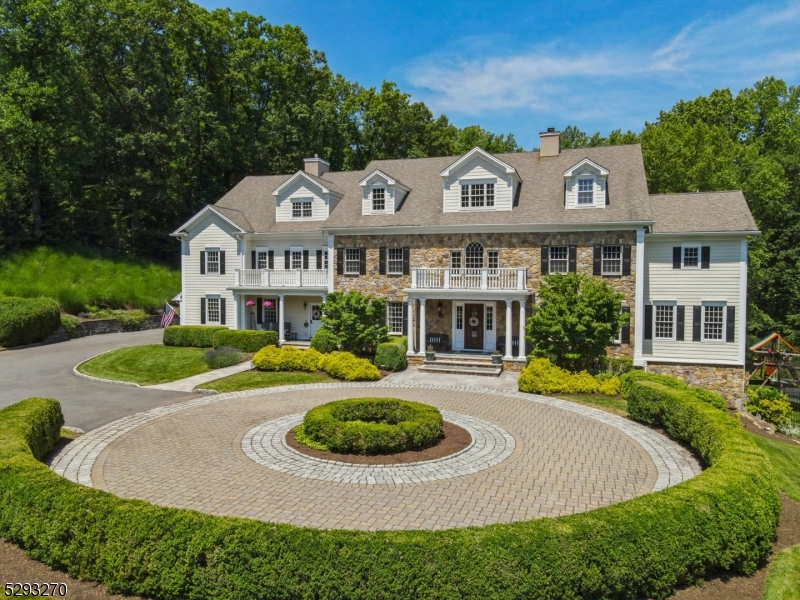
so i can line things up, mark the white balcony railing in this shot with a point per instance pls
(281, 278)
(469, 279)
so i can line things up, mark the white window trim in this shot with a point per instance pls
(550, 260)
(386, 197)
(603, 271)
(699, 255)
(219, 260)
(389, 262)
(484, 181)
(208, 318)
(674, 305)
(300, 201)
(358, 262)
(264, 251)
(618, 339)
(591, 178)
(703, 321)
(402, 308)
(292, 250)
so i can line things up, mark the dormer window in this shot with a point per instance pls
(585, 191)
(378, 199)
(477, 195)
(585, 185)
(301, 209)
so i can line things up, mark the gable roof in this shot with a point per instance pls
(480, 152)
(712, 212)
(222, 212)
(326, 186)
(389, 179)
(586, 161)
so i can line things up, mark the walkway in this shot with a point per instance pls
(46, 371)
(188, 384)
(412, 375)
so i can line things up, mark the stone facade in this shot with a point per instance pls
(725, 380)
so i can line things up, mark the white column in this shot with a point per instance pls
(244, 322)
(236, 311)
(331, 263)
(742, 332)
(422, 345)
(281, 329)
(410, 332)
(484, 278)
(509, 333)
(413, 277)
(522, 328)
(184, 254)
(447, 279)
(639, 301)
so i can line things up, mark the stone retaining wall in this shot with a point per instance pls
(101, 326)
(725, 380)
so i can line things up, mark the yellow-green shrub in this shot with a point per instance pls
(542, 377)
(772, 405)
(286, 358)
(347, 366)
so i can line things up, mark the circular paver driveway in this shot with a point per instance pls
(562, 458)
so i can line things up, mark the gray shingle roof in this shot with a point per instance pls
(700, 212)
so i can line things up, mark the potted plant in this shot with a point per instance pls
(430, 354)
(497, 358)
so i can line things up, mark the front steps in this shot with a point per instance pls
(459, 364)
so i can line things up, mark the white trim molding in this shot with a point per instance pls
(638, 359)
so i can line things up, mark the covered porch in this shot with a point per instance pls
(295, 316)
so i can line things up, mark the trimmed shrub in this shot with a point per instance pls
(325, 341)
(391, 356)
(617, 366)
(246, 340)
(373, 425)
(224, 356)
(632, 377)
(27, 320)
(196, 336)
(70, 323)
(349, 367)
(287, 358)
(770, 404)
(541, 377)
(723, 519)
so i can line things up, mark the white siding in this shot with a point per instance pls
(599, 191)
(210, 232)
(691, 287)
(300, 188)
(312, 243)
(295, 314)
(478, 168)
(393, 196)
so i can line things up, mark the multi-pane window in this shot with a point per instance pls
(212, 310)
(212, 261)
(713, 322)
(394, 262)
(493, 259)
(691, 256)
(459, 317)
(394, 317)
(301, 209)
(664, 322)
(455, 259)
(489, 318)
(558, 261)
(297, 259)
(324, 260)
(612, 260)
(378, 199)
(262, 259)
(270, 306)
(585, 191)
(477, 195)
(474, 256)
(352, 261)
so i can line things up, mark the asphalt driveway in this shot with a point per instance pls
(46, 371)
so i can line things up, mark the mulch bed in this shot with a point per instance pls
(752, 427)
(455, 439)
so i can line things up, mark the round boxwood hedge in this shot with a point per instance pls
(723, 519)
(373, 425)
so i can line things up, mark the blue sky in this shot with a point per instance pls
(520, 67)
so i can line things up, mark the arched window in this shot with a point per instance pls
(474, 256)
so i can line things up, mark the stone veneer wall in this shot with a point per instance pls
(516, 250)
(725, 380)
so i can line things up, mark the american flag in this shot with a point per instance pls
(169, 314)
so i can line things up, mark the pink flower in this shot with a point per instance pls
(250, 303)
(267, 303)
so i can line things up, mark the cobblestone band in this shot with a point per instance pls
(266, 445)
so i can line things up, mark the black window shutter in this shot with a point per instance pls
(597, 267)
(573, 259)
(405, 317)
(676, 257)
(340, 261)
(382, 261)
(319, 259)
(202, 311)
(202, 262)
(253, 263)
(259, 310)
(697, 319)
(545, 260)
(730, 323)
(287, 259)
(626, 260)
(271, 259)
(222, 262)
(648, 322)
(305, 259)
(705, 253)
(679, 325)
(363, 262)
(406, 261)
(625, 332)
(222, 311)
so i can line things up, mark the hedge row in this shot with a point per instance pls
(542, 377)
(196, 336)
(391, 356)
(630, 379)
(27, 320)
(246, 340)
(341, 365)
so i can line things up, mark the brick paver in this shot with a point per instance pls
(566, 458)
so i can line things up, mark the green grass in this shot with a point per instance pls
(783, 580)
(80, 279)
(786, 460)
(613, 404)
(251, 380)
(147, 365)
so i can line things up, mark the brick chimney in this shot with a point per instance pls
(316, 166)
(550, 142)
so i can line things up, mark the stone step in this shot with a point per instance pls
(461, 363)
(466, 358)
(462, 370)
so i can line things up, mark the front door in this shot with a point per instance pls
(314, 319)
(473, 338)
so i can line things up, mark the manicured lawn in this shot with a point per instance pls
(786, 460)
(251, 380)
(783, 580)
(613, 404)
(147, 365)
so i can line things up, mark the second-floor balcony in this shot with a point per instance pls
(317, 278)
(469, 279)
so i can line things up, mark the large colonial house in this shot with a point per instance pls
(458, 245)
